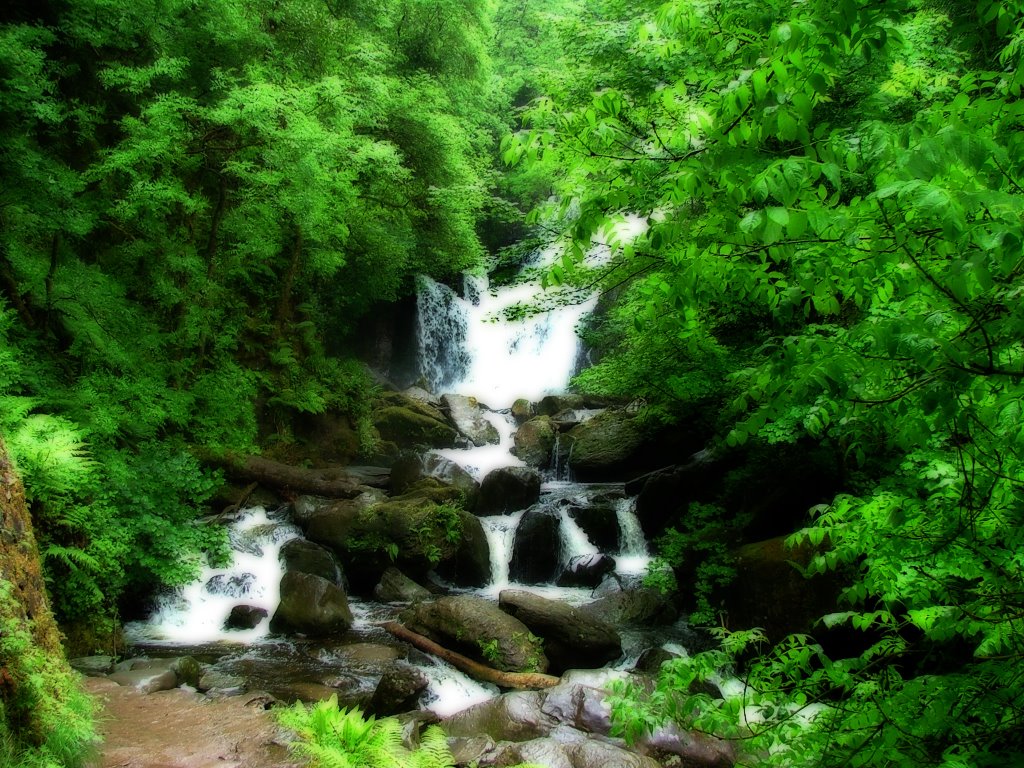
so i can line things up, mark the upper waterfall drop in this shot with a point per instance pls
(467, 345)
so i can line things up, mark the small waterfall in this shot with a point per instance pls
(575, 542)
(478, 461)
(441, 326)
(634, 556)
(198, 611)
(501, 534)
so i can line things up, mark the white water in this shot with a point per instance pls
(196, 613)
(633, 557)
(467, 347)
(575, 542)
(478, 461)
(501, 533)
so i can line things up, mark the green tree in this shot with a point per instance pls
(833, 198)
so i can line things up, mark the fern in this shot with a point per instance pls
(343, 738)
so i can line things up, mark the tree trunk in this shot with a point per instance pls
(331, 482)
(469, 666)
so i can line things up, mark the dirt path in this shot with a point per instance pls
(178, 729)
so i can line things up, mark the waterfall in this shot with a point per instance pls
(501, 534)
(575, 542)
(469, 346)
(633, 556)
(197, 612)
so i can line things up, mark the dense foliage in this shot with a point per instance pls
(833, 197)
(200, 202)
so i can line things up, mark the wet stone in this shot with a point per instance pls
(238, 585)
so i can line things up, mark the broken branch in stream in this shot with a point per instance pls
(469, 666)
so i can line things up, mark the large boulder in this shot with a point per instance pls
(608, 446)
(536, 550)
(633, 605)
(599, 519)
(304, 556)
(311, 605)
(480, 629)
(572, 639)
(470, 566)
(467, 416)
(407, 422)
(535, 441)
(522, 410)
(559, 752)
(508, 489)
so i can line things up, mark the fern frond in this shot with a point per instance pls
(73, 557)
(433, 751)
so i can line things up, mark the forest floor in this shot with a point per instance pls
(179, 729)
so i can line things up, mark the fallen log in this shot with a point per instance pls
(330, 482)
(469, 666)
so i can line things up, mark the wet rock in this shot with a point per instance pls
(650, 661)
(569, 418)
(237, 585)
(398, 690)
(469, 750)
(586, 570)
(244, 617)
(369, 654)
(407, 422)
(216, 683)
(572, 639)
(694, 749)
(552, 404)
(396, 587)
(480, 629)
(470, 566)
(302, 556)
(311, 605)
(579, 753)
(633, 605)
(508, 489)
(534, 442)
(93, 666)
(467, 416)
(305, 507)
(410, 468)
(536, 548)
(330, 526)
(600, 521)
(146, 675)
(522, 410)
(422, 395)
(515, 716)
(607, 446)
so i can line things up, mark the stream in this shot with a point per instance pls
(465, 347)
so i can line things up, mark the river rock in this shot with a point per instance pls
(600, 521)
(410, 468)
(396, 587)
(515, 716)
(188, 670)
(633, 605)
(398, 690)
(522, 410)
(508, 489)
(536, 548)
(215, 683)
(586, 570)
(470, 624)
(244, 617)
(607, 446)
(305, 507)
(407, 422)
(311, 605)
(467, 416)
(470, 566)
(331, 526)
(572, 639)
(534, 442)
(552, 404)
(146, 675)
(557, 752)
(304, 556)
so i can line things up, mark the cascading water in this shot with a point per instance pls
(468, 347)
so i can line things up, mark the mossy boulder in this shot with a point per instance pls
(468, 417)
(479, 629)
(508, 489)
(416, 532)
(610, 445)
(535, 440)
(308, 557)
(407, 422)
(410, 468)
(470, 566)
(536, 550)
